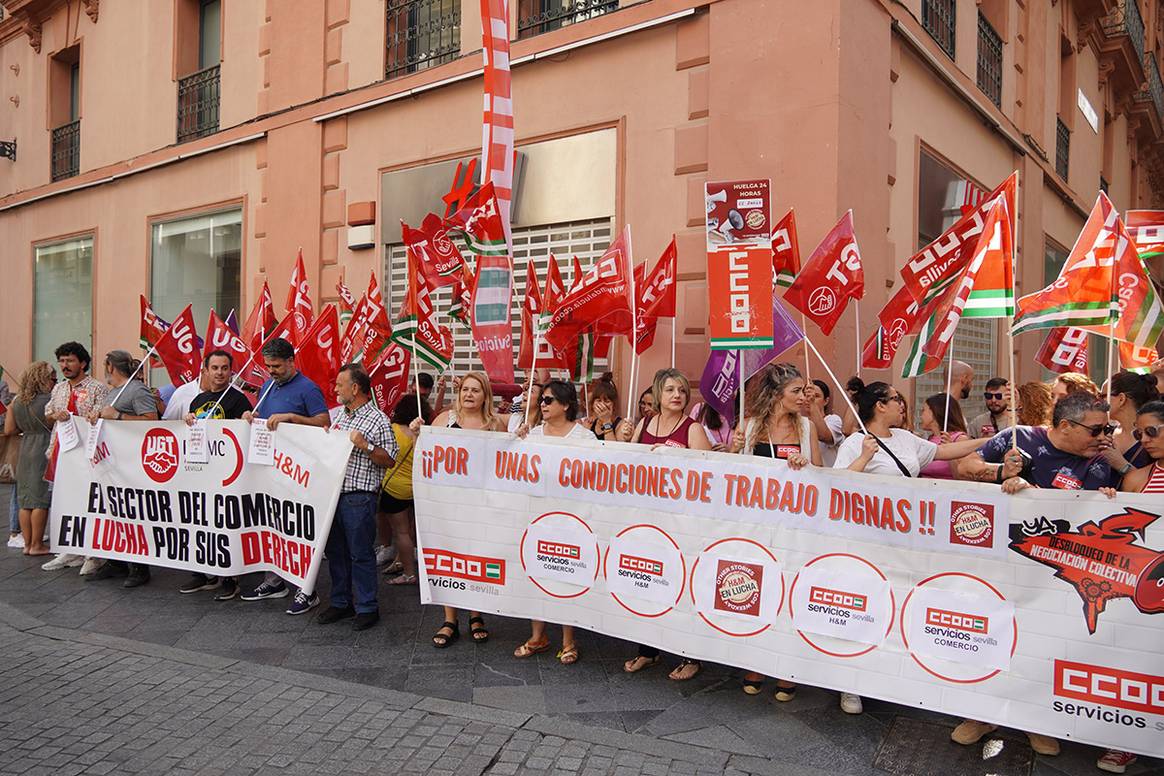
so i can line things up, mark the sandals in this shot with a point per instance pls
(403, 579)
(568, 655)
(530, 648)
(442, 640)
(638, 663)
(395, 567)
(785, 694)
(753, 686)
(687, 669)
(481, 634)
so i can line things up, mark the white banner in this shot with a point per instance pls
(1035, 611)
(140, 498)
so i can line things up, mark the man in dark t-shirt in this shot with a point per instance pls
(226, 404)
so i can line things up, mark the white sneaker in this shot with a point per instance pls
(16, 542)
(91, 565)
(63, 561)
(851, 703)
(385, 554)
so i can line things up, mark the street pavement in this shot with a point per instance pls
(98, 679)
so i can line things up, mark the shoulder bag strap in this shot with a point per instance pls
(896, 460)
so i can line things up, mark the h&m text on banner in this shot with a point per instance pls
(139, 498)
(1036, 611)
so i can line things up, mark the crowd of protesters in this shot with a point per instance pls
(1070, 434)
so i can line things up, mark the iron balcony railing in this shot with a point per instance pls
(421, 34)
(938, 20)
(537, 16)
(1126, 20)
(1062, 148)
(198, 103)
(989, 61)
(66, 150)
(1155, 90)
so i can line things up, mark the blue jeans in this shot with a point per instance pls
(14, 514)
(351, 557)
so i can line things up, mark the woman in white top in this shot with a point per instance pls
(774, 427)
(559, 405)
(888, 449)
(829, 426)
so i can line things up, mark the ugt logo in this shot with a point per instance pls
(1101, 561)
(159, 455)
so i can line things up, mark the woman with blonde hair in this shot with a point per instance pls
(670, 426)
(1034, 403)
(25, 417)
(472, 410)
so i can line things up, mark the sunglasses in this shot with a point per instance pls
(1106, 430)
(988, 396)
(547, 399)
(1152, 432)
(899, 399)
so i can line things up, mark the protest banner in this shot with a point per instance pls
(139, 498)
(1034, 611)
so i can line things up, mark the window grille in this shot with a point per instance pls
(1062, 149)
(537, 16)
(989, 61)
(938, 18)
(587, 240)
(66, 150)
(198, 100)
(421, 34)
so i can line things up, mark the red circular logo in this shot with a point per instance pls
(159, 454)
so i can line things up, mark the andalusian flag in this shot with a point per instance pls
(1102, 282)
(417, 327)
(785, 251)
(919, 362)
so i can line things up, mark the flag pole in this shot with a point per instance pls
(533, 371)
(673, 317)
(230, 385)
(740, 366)
(1013, 386)
(807, 368)
(416, 377)
(949, 382)
(836, 382)
(857, 333)
(1111, 356)
(634, 300)
(150, 352)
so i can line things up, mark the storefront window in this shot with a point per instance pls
(943, 194)
(63, 309)
(197, 261)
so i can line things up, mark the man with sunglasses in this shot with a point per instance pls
(997, 415)
(1068, 456)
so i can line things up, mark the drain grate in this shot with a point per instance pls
(913, 747)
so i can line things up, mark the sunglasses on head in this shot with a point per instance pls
(988, 396)
(1152, 432)
(1106, 430)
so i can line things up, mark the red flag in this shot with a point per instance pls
(1137, 359)
(645, 324)
(555, 289)
(299, 297)
(497, 156)
(655, 293)
(152, 328)
(1064, 350)
(600, 302)
(438, 256)
(895, 320)
(785, 251)
(576, 276)
(220, 337)
(416, 327)
(830, 278)
(462, 293)
(317, 355)
(178, 349)
(260, 321)
(531, 309)
(388, 372)
(351, 339)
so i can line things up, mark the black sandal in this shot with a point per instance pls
(480, 635)
(441, 640)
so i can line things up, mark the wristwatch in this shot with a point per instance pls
(1127, 467)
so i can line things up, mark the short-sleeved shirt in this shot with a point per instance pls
(133, 398)
(913, 452)
(1050, 467)
(87, 395)
(179, 402)
(231, 407)
(986, 425)
(575, 432)
(362, 473)
(298, 396)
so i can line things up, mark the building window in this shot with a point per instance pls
(989, 60)
(587, 240)
(938, 19)
(63, 303)
(943, 196)
(65, 113)
(1054, 257)
(197, 261)
(421, 34)
(537, 16)
(199, 92)
(1062, 149)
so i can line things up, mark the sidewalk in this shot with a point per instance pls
(98, 679)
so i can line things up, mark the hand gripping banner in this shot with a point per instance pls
(1042, 611)
(140, 499)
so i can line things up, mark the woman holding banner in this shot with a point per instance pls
(473, 410)
(775, 427)
(559, 405)
(670, 426)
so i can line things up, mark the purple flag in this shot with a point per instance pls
(232, 321)
(721, 376)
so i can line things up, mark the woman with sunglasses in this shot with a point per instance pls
(1129, 392)
(559, 404)
(670, 426)
(473, 410)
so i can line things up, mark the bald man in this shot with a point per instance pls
(962, 380)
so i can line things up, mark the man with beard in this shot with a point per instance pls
(997, 415)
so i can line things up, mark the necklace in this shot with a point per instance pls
(659, 426)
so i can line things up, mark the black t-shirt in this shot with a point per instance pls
(232, 407)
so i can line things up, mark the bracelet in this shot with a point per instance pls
(998, 474)
(1127, 467)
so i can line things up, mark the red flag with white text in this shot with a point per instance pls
(178, 349)
(1064, 350)
(260, 321)
(220, 337)
(601, 301)
(388, 372)
(830, 278)
(785, 251)
(317, 356)
(655, 293)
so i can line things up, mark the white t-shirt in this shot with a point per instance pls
(180, 399)
(576, 432)
(913, 452)
(828, 447)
